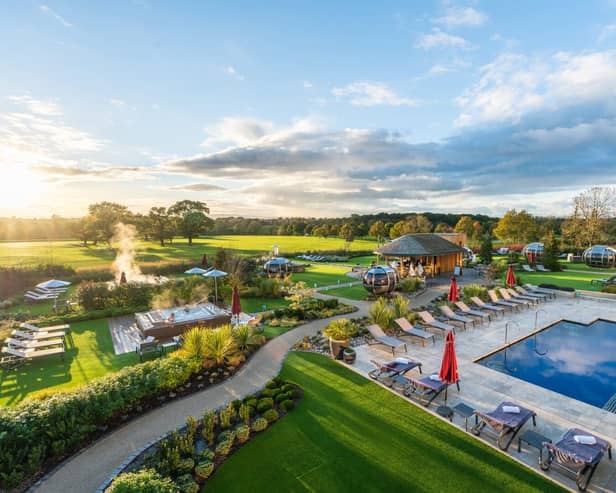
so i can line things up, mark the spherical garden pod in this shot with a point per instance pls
(380, 279)
(533, 250)
(277, 266)
(600, 256)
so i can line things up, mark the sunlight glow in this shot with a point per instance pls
(19, 186)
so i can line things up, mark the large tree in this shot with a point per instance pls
(411, 225)
(465, 225)
(161, 223)
(592, 210)
(378, 230)
(192, 217)
(348, 233)
(104, 216)
(516, 227)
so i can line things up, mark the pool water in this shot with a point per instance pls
(573, 359)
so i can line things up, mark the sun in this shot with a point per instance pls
(19, 186)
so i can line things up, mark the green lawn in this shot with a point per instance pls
(323, 275)
(251, 305)
(271, 332)
(571, 278)
(72, 253)
(89, 354)
(353, 293)
(38, 308)
(349, 434)
(364, 261)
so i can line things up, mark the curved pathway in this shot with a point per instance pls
(87, 470)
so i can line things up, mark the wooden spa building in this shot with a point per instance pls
(436, 254)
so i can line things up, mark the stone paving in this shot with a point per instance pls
(483, 388)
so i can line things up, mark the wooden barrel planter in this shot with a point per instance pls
(337, 348)
(349, 355)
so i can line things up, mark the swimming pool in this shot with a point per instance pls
(573, 359)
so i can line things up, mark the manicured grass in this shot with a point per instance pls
(40, 307)
(323, 275)
(251, 305)
(358, 292)
(89, 354)
(572, 279)
(72, 253)
(271, 332)
(364, 261)
(349, 434)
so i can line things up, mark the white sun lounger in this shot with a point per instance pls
(37, 335)
(32, 353)
(23, 343)
(527, 268)
(52, 328)
(541, 268)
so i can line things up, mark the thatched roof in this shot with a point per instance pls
(418, 245)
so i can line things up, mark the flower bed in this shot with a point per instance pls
(185, 459)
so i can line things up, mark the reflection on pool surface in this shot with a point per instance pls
(570, 358)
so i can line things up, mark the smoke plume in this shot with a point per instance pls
(125, 238)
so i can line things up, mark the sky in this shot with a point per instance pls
(306, 108)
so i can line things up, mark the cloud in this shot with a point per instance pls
(49, 11)
(370, 93)
(229, 70)
(49, 107)
(441, 39)
(198, 187)
(514, 85)
(462, 16)
(93, 172)
(607, 32)
(236, 130)
(307, 84)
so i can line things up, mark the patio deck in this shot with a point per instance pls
(484, 388)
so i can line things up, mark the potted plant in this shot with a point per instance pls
(349, 355)
(339, 332)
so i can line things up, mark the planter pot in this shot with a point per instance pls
(337, 347)
(349, 356)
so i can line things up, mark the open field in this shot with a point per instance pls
(349, 434)
(318, 275)
(353, 293)
(89, 354)
(573, 279)
(72, 253)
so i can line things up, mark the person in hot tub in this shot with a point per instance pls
(171, 317)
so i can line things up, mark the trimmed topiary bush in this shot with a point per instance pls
(272, 384)
(283, 396)
(259, 424)
(227, 436)
(286, 387)
(204, 470)
(205, 455)
(186, 466)
(265, 404)
(223, 448)
(287, 405)
(271, 415)
(144, 481)
(187, 484)
(242, 433)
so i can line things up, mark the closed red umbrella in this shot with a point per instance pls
(454, 292)
(531, 258)
(510, 280)
(449, 365)
(236, 306)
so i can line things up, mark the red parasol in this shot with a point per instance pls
(236, 307)
(531, 258)
(454, 292)
(204, 259)
(449, 366)
(510, 280)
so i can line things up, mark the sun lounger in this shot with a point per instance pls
(24, 343)
(576, 458)
(57, 291)
(385, 372)
(514, 295)
(30, 354)
(541, 268)
(505, 304)
(425, 389)
(464, 308)
(537, 289)
(453, 317)
(30, 296)
(381, 338)
(510, 299)
(506, 425)
(487, 306)
(522, 291)
(35, 328)
(527, 268)
(431, 322)
(411, 331)
(37, 335)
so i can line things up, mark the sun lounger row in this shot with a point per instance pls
(538, 268)
(31, 353)
(33, 296)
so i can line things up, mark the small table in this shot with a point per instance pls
(445, 412)
(535, 440)
(466, 412)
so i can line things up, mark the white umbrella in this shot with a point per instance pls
(196, 270)
(215, 274)
(53, 284)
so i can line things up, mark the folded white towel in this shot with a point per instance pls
(511, 409)
(435, 377)
(585, 439)
(404, 361)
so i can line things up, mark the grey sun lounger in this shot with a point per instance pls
(36, 335)
(464, 308)
(537, 289)
(412, 331)
(381, 338)
(505, 424)
(510, 299)
(453, 317)
(431, 322)
(514, 295)
(386, 372)
(576, 458)
(31, 354)
(487, 306)
(424, 389)
(523, 292)
(505, 304)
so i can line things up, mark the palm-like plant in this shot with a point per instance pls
(245, 338)
(381, 314)
(219, 344)
(400, 307)
(194, 343)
